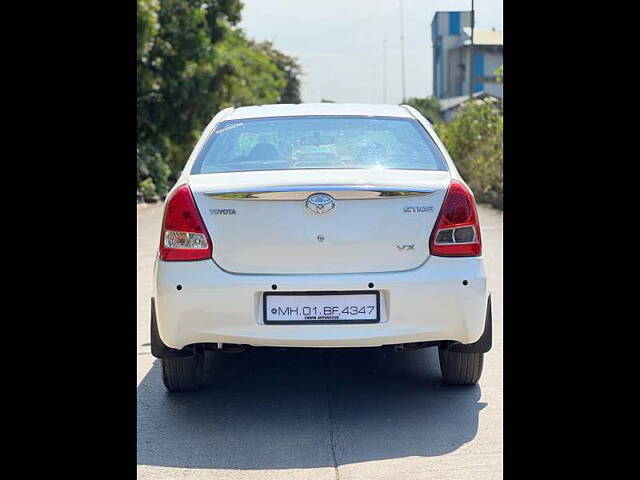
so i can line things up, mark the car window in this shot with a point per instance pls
(278, 143)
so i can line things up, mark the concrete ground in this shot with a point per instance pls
(311, 414)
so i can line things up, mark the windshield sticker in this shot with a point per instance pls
(230, 127)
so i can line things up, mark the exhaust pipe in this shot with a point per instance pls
(231, 348)
(401, 347)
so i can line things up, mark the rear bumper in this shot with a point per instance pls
(429, 303)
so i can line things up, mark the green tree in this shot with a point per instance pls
(192, 61)
(250, 76)
(181, 67)
(291, 69)
(151, 166)
(429, 107)
(474, 140)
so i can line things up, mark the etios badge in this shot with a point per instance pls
(320, 203)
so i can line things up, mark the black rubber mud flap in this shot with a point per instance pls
(158, 348)
(483, 344)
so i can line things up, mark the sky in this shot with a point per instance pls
(340, 43)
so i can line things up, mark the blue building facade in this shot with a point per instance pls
(453, 67)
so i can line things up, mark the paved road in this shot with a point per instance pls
(304, 414)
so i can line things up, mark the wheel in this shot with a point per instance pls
(183, 374)
(460, 368)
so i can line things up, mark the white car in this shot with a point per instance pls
(375, 242)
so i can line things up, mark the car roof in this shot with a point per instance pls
(302, 109)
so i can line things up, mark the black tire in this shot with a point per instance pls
(460, 368)
(183, 374)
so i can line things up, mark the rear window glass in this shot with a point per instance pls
(281, 143)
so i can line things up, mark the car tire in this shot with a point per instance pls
(460, 368)
(183, 374)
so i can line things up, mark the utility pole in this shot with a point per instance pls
(384, 70)
(404, 96)
(471, 65)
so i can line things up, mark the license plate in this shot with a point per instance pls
(321, 307)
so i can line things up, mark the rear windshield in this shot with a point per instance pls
(281, 143)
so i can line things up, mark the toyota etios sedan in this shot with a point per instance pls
(319, 225)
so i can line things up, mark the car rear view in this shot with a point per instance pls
(319, 226)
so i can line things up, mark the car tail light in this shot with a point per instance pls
(457, 230)
(183, 236)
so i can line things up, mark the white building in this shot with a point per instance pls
(451, 38)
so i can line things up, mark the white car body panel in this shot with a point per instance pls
(423, 297)
(359, 235)
(424, 304)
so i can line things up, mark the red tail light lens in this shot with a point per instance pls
(457, 230)
(184, 236)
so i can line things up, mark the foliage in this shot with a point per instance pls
(291, 69)
(250, 75)
(148, 190)
(429, 107)
(474, 140)
(150, 165)
(192, 61)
